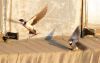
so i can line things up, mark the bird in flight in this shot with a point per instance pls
(74, 39)
(34, 20)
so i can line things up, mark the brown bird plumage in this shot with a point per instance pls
(34, 20)
(39, 16)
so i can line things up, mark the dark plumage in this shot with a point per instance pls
(74, 38)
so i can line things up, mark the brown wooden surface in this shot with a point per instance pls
(55, 50)
(57, 43)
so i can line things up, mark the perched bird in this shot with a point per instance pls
(88, 31)
(34, 20)
(74, 39)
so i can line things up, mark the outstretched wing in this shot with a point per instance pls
(40, 15)
(75, 35)
(14, 21)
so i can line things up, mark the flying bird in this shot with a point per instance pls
(34, 20)
(74, 39)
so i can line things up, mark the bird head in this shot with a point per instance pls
(21, 20)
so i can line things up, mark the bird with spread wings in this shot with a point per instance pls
(34, 20)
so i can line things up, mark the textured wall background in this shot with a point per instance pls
(94, 15)
(62, 15)
(0, 14)
(94, 11)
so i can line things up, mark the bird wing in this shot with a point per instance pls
(76, 34)
(40, 15)
(14, 21)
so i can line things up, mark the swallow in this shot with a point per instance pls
(74, 39)
(33, 21)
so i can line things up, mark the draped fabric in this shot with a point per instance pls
(51, 51)
(61, 15)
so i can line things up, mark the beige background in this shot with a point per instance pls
(94, 11)
(62, 15)
(0, 14)
(94, 15)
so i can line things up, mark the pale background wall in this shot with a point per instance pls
(0, 15)
(94, 15)
(62, 15)
(94, 11)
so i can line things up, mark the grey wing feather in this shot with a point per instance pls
(75, 35)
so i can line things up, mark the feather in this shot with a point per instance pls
(39, 16)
